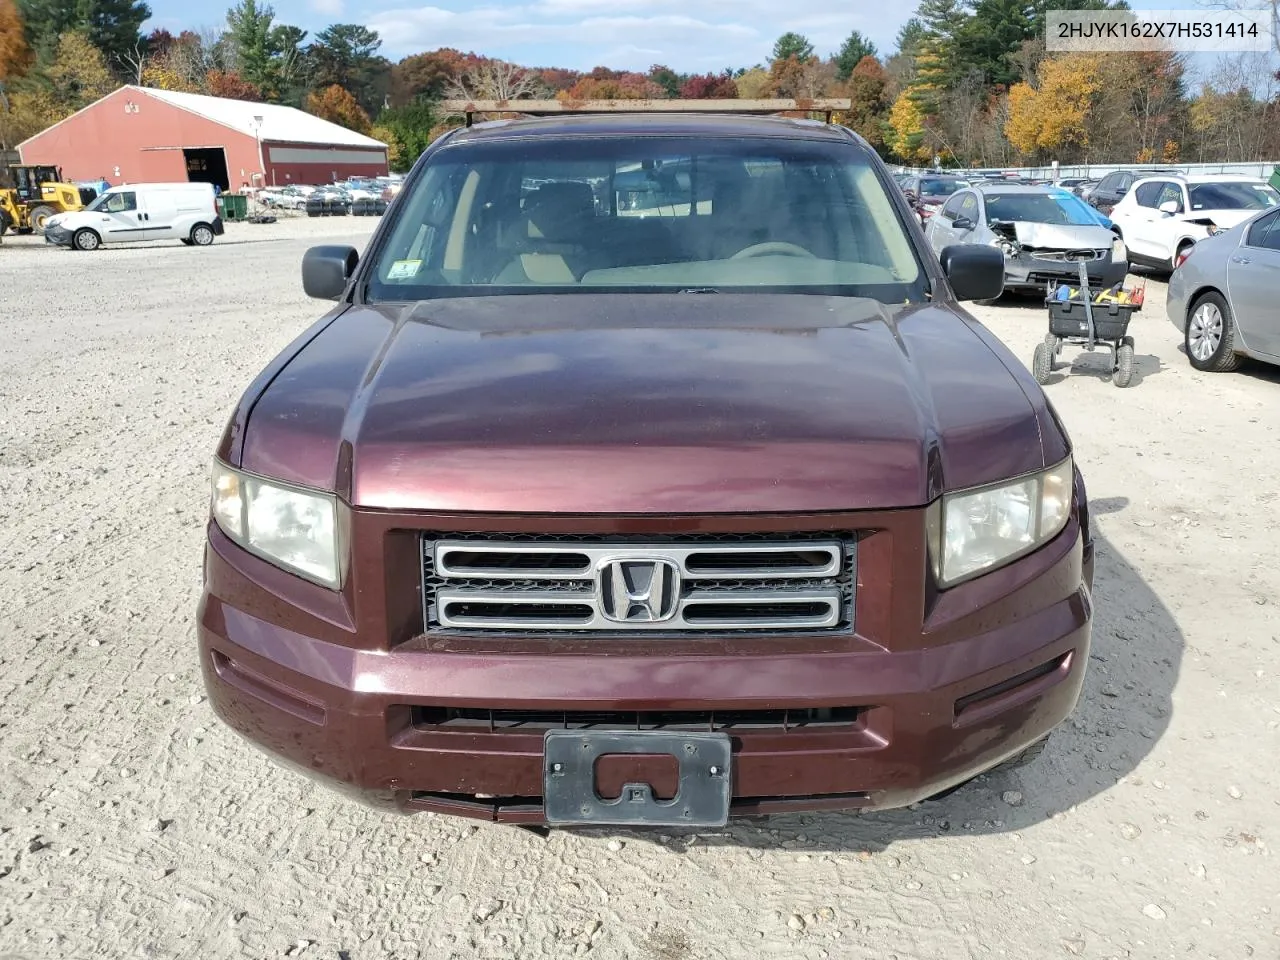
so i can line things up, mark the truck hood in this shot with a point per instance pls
(1063, 236)
(641, 404)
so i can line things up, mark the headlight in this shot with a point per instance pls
(973, 531)
(293, 528)
(1118, 250)
(1010, 248)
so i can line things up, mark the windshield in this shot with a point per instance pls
(941, 188)
(647, 214)
(1233, 196)
(1059, 207)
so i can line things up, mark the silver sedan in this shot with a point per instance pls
(1225, 296)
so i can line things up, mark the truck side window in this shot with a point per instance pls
(1147, 193)
(122, 202)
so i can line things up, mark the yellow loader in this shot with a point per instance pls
(35, 193)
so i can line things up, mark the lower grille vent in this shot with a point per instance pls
(480, 719)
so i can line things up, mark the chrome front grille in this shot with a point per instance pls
(623, 585)
(1066, 256)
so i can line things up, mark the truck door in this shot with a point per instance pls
(122, 220)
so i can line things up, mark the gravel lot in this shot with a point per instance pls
(132, 824)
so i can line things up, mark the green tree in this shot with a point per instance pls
(292, 68)
(985, 42)
(852, 51)
(409, 128)
(941, 18)
(112, 26)
(249, 34)
(910, 36)
(667, 79)
(346, 54)
(790, 45)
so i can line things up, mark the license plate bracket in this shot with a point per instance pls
(569, 792)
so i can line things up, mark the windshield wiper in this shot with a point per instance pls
(698, 290)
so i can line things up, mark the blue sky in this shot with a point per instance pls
(687, 35)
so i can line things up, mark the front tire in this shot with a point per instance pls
(39, 217)
(86, 240)
(1042, 363)
(1210, 336)
(202, 235)
(1123, 373)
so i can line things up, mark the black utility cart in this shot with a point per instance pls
(1082, 322)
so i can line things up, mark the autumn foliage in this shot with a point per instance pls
(709, 86)
(15, 56)
(338, 106)
(229, 84)
(605, 84)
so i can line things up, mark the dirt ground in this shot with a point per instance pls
(133, 825)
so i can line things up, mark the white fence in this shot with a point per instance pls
(1262, 171)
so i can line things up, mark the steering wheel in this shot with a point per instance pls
(773, 247)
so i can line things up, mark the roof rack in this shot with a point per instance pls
(534, 108)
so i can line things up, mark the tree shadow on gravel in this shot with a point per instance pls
(1124, 710)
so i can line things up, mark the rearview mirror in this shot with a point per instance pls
(962, 223)
(975, 271)
(326, 270)
(1169, 207)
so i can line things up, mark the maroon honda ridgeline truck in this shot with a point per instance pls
(648, 471)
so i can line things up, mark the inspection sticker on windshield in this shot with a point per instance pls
(404, 269)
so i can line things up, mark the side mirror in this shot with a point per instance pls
(962, 223)
(326, 270)
(1169, 207)
(974, 270)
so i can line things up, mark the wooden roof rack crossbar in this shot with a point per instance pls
(536, 108)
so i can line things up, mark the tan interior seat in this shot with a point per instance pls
(556, 239)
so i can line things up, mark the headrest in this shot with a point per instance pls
(560, 212)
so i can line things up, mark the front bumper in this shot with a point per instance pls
(928, 717)
(1032, 273)
(57, 235)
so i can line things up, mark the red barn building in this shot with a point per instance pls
(142, 135)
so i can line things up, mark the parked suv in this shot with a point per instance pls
(1111, 188)
(712, 503)
(1162, 218)
(928, 193)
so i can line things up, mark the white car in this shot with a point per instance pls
(141, 211)
(1162, 217)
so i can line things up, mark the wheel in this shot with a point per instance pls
(86, 240)
(1123, 372)
(1210, 336)
(989, 301)
(1042, 363)
(39, 216)
(1054, 345)
(1027, 756)
(202, 235)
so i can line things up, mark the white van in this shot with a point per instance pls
(141, 211)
